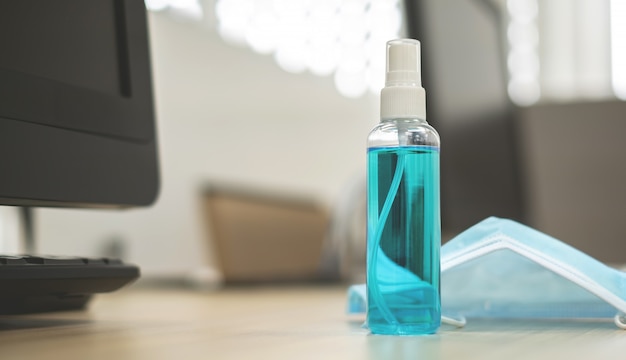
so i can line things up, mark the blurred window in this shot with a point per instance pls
(566, 50)
(344, 39)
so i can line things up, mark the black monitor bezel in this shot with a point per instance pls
(63, 145)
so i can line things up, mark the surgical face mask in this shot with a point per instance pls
(499, 268)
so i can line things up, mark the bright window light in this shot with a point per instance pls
(341, 37)
(618, 47)
(262, 32)
(190, 9)
(564, 50)
(157, 5)
(523, 58)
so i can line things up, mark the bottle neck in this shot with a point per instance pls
(403, 102)
(403, 132)
(407, 120)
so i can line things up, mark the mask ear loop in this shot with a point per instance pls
(458, 322)
(620, 320)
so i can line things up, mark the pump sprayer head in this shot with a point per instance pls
(403, 63)
(403, 96)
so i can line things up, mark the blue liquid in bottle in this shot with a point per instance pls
(403, 240)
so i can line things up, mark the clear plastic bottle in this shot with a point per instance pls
(403, 215)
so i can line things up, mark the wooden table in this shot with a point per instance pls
(279, 323)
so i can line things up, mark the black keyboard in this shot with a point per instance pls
(33, 284)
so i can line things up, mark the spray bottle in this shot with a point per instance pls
(403, 216)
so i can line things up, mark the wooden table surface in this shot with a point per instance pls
(279, 323)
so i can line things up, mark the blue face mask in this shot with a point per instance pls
(499, 268)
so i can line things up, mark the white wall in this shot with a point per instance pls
(223, 113)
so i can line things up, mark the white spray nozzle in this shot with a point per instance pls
(403, 96)
(403, 63)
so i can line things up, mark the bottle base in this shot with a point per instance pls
(403, 329)
(415, 311)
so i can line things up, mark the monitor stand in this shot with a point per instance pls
(26, 218)
(33, 283)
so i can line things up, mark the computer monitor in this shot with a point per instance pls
(77, 122)
(76, 130)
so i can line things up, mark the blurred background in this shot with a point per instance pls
(263, 108)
